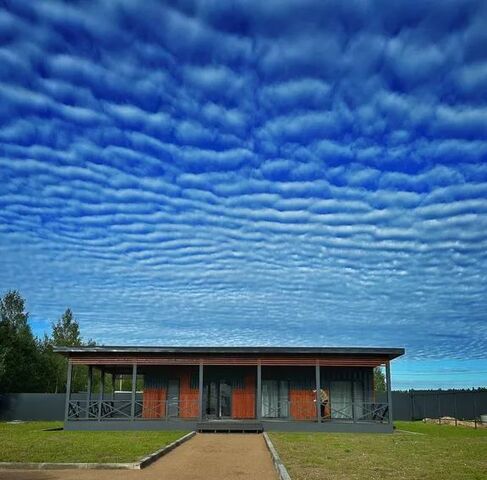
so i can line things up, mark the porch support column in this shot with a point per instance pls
(102, 392)
(389, 391)
(200, 391)
(318, 391)
(134, 390)
(113, 385)
(68, 390)
(88, 391)
(258, 400)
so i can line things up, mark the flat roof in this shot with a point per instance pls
(216, 350)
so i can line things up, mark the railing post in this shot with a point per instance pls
(258, 399)
(200, 390)
(318, 391)
(68, 390)
(101, 393)
(134, 390)
(88, 391)
(389, 390)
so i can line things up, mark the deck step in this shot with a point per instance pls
(222, 426)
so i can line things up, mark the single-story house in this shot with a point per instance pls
(231, 388)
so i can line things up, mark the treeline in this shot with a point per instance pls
(27, 362)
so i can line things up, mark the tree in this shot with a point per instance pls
(19, 355)
(65, 333)
(29, 364)
(379, 380)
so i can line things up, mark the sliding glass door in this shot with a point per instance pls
(341, 400)
(218, 397)
(275, 398)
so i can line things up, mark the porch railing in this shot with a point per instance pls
(305, 410)
(122, 410)
(167, 409)
(285, 410)
(356, 412)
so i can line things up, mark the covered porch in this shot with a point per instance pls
(318, 393)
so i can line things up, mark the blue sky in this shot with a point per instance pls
(273, 173)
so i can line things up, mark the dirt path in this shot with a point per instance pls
(206, 456)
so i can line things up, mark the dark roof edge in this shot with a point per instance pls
(389, 352)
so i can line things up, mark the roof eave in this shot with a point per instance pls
(391, 353)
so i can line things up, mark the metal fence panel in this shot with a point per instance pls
(419, 404)
(32, 406)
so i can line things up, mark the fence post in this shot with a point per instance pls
(474, 409)
(455, 408)
(439, 409)
(411, 405)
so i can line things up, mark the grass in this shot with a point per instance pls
(32, 442)
(441, 452)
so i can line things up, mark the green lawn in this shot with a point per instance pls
(440, 452)
(31, 442)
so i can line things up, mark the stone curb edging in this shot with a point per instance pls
(276, 460)
(144, 462)
(67, 466)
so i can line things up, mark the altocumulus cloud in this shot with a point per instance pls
(292, 172)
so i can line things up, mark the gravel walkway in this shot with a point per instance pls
(205, 456)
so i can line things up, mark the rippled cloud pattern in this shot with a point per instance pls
(248, 172)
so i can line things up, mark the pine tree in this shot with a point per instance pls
(20, 361)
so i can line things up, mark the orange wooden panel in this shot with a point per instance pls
(188, 397)
(154, 403)
(243, 399)
(302, 404)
